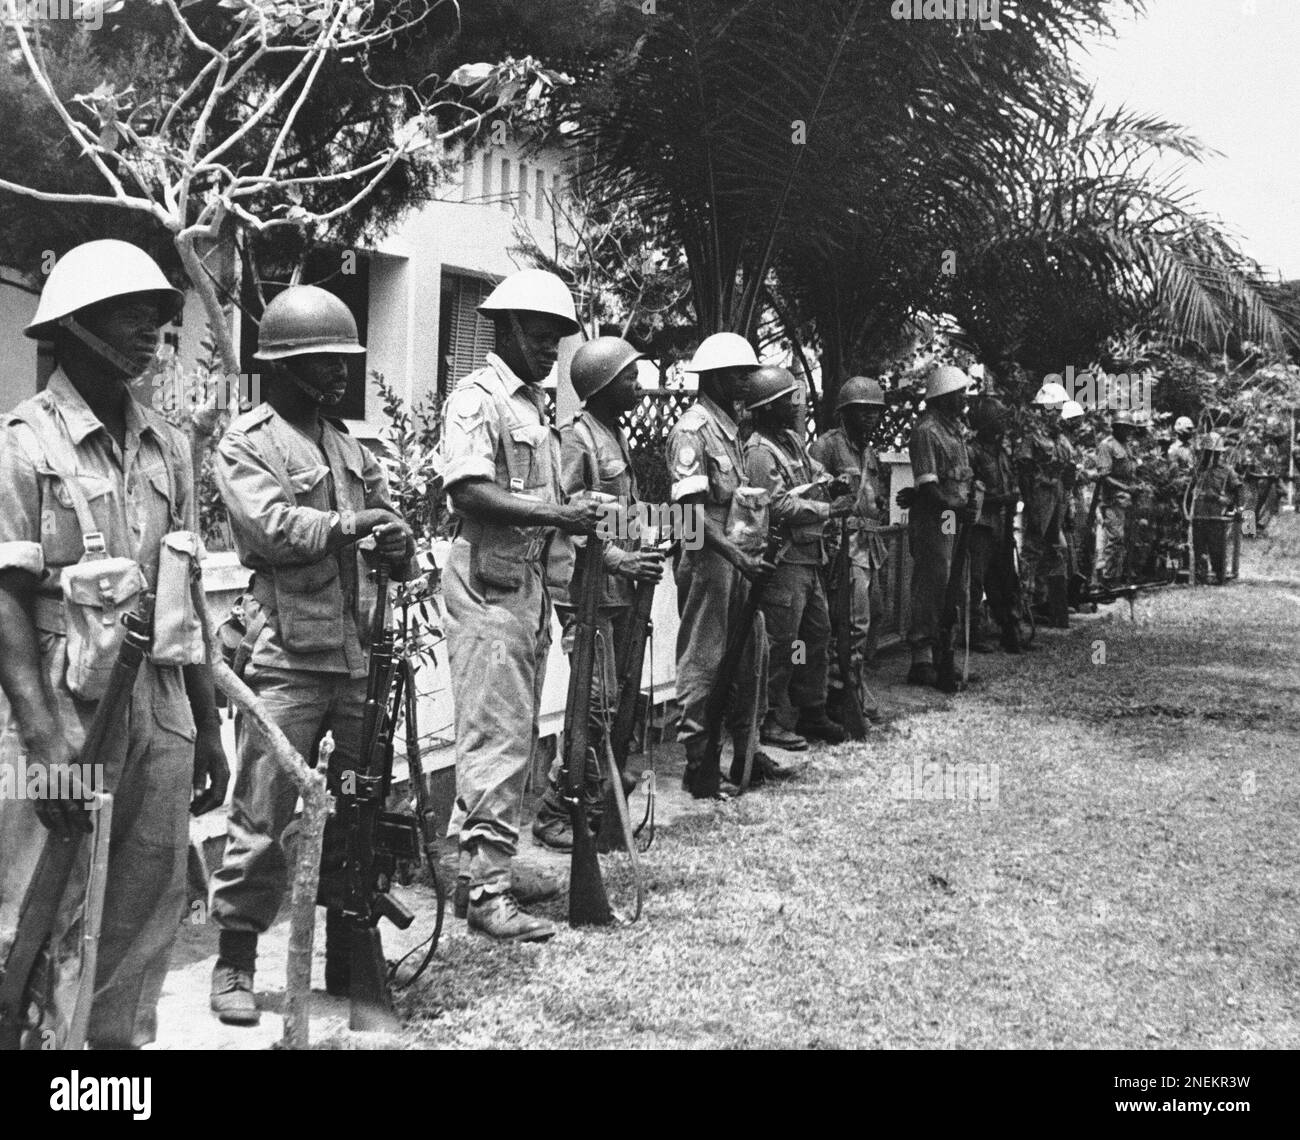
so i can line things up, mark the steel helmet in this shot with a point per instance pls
(598, 361)
(1182, 424)
(723, 350)
(768, 383)
(1071, 410)
(859, 390)
(945, 378)
(305, 319)
(1051, 393)
(534, 291)
(99, 271)
(1122, 419)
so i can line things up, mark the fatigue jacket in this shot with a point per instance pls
(992, 466)
(705, 457)
(1038, 459)
(1181, 456)
(939, 455)
(494, 427)
(1115, 460)
(595, 458)
(1218, 490)
(280, 488)
(836, 452)
(781, 464)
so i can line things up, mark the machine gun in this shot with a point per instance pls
(715, 708)
(588, 902)
(54, 869)
(375, 840)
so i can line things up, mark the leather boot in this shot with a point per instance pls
(499, 917)
(816, 725)
(703, 776)
(232, 998)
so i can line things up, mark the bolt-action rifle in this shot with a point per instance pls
(588, 902)
(54, 869)
(715, 709)
(375, 840)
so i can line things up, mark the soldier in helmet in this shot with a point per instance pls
(992, 569)
(102, 306)
(942, 469)
(300, 493)
(846, 452)
(707, 469)
(1038, 465)
(1180, 454)
(595, 457)
(503, 476)
(1216, 496)
(1117, 483)
(794, 600)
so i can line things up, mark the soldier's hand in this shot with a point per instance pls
(63, 818)
(211, 771)
(906, 498)
(393, 540)
(579, 518)
(643, 566)
(755, 568)
(842, 506)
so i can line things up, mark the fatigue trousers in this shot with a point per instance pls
(992, 576)
(611, 633)
(932, 553)
(1114, 524)
(1041, 552)
(1210, 536)
(798, 623)
(250, 884)
(498, 641)
(860, 627)
(149, 770)
(710, 594)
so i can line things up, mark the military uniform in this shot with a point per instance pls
(705, 457)
(939, 455)
(793, 601)
(595, 457)
(1067, 458)
(1038, 462)
(496, 589)
(137, 495)
(1218, 491)
(992, 570)
(867, 554)
(1116, 461)
(308, 611)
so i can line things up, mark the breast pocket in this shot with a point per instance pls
(310, 485)
(161, 502)
(723, 476)
(61, 537)
(529, 444)
(611, 476)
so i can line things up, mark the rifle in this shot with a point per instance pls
(588, 902)
(375, 839)
(639, 630)
(946, 666)
(45, 893)
(854, 723)
(719, 696)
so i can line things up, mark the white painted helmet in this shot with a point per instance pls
(534, 291)
(723, 350)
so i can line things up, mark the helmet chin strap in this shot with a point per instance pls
(530, 357)
(102, 348)
(315, 395)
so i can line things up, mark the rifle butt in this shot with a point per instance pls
(588, 902)
(369, 1000)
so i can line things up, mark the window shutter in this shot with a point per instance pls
(471, 335)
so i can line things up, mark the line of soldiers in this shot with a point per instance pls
(301, 494)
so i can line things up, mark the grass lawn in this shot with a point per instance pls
(1133, 884)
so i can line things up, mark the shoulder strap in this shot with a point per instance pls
(57, 452)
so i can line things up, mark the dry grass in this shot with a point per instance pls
(1135, 884)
